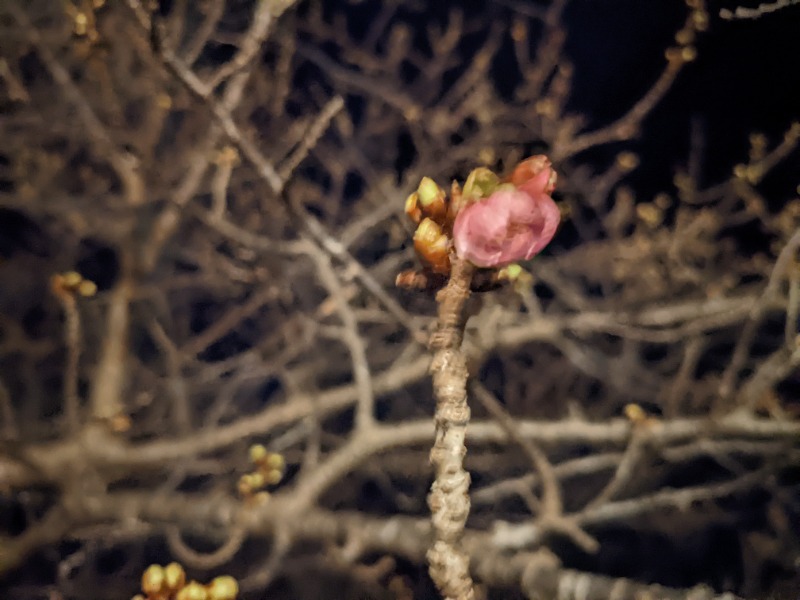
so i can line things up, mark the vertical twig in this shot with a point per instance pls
(110, 374)
(72, 338)
(449, 498)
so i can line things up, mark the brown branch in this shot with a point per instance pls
(105, 398)
(352, 338)
(755, 316)
(552, 505)
(540, 575)
(743, 12)
(205, 560)
(311, 137)
(250, 45)
(72, 340)
(449, 496)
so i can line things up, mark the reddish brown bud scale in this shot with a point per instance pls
(432, 245)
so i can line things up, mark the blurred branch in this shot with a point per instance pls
(125, 164)
(742, 12)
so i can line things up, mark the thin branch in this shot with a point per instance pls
(552, 505)
(205, 560)
(106, 394)
(742, 12)
(72, 340)
(312, 136)
(249, 46)
(756, 314)
(365, 406)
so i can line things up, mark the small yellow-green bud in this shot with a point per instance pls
(512, 272)
(153, 580)
(224, 587)
(87, 288)
(274, 476)
(700, 20)
(650, 214)
(635, 413)
(174, 576)
(276, 461)
(627, 161)
(257, 480)
(193, 591)
(261, 498)
(244, 486)
(258, 452)
(480, 183)
(685, 36)
(428, 191)
(72, 279)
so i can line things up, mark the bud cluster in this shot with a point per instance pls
(269, 470)
(169, 583)
(72, 282)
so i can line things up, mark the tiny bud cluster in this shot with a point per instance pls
(169, 583)
(269, 470)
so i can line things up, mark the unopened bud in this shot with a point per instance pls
(192, 591)
(432, 199)
(258, 453)
(224, 587)
(71, 279)
(627, 161)
(412, 208)
(276, 461)
(510, 272)
(431, 245)
(428, 191)
(153, 580)
(87, 288)
(174, 576)
(480, 183)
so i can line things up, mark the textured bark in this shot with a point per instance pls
(449, 496)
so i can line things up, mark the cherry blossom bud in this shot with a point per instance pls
(480, 183)
(431, 245)
(515, 222)
(432, 199)
(534, 175)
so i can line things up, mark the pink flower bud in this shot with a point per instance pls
(513, 223)
(534, 175)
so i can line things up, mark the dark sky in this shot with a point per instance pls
(746, 77)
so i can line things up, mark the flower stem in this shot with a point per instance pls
(449, 496)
